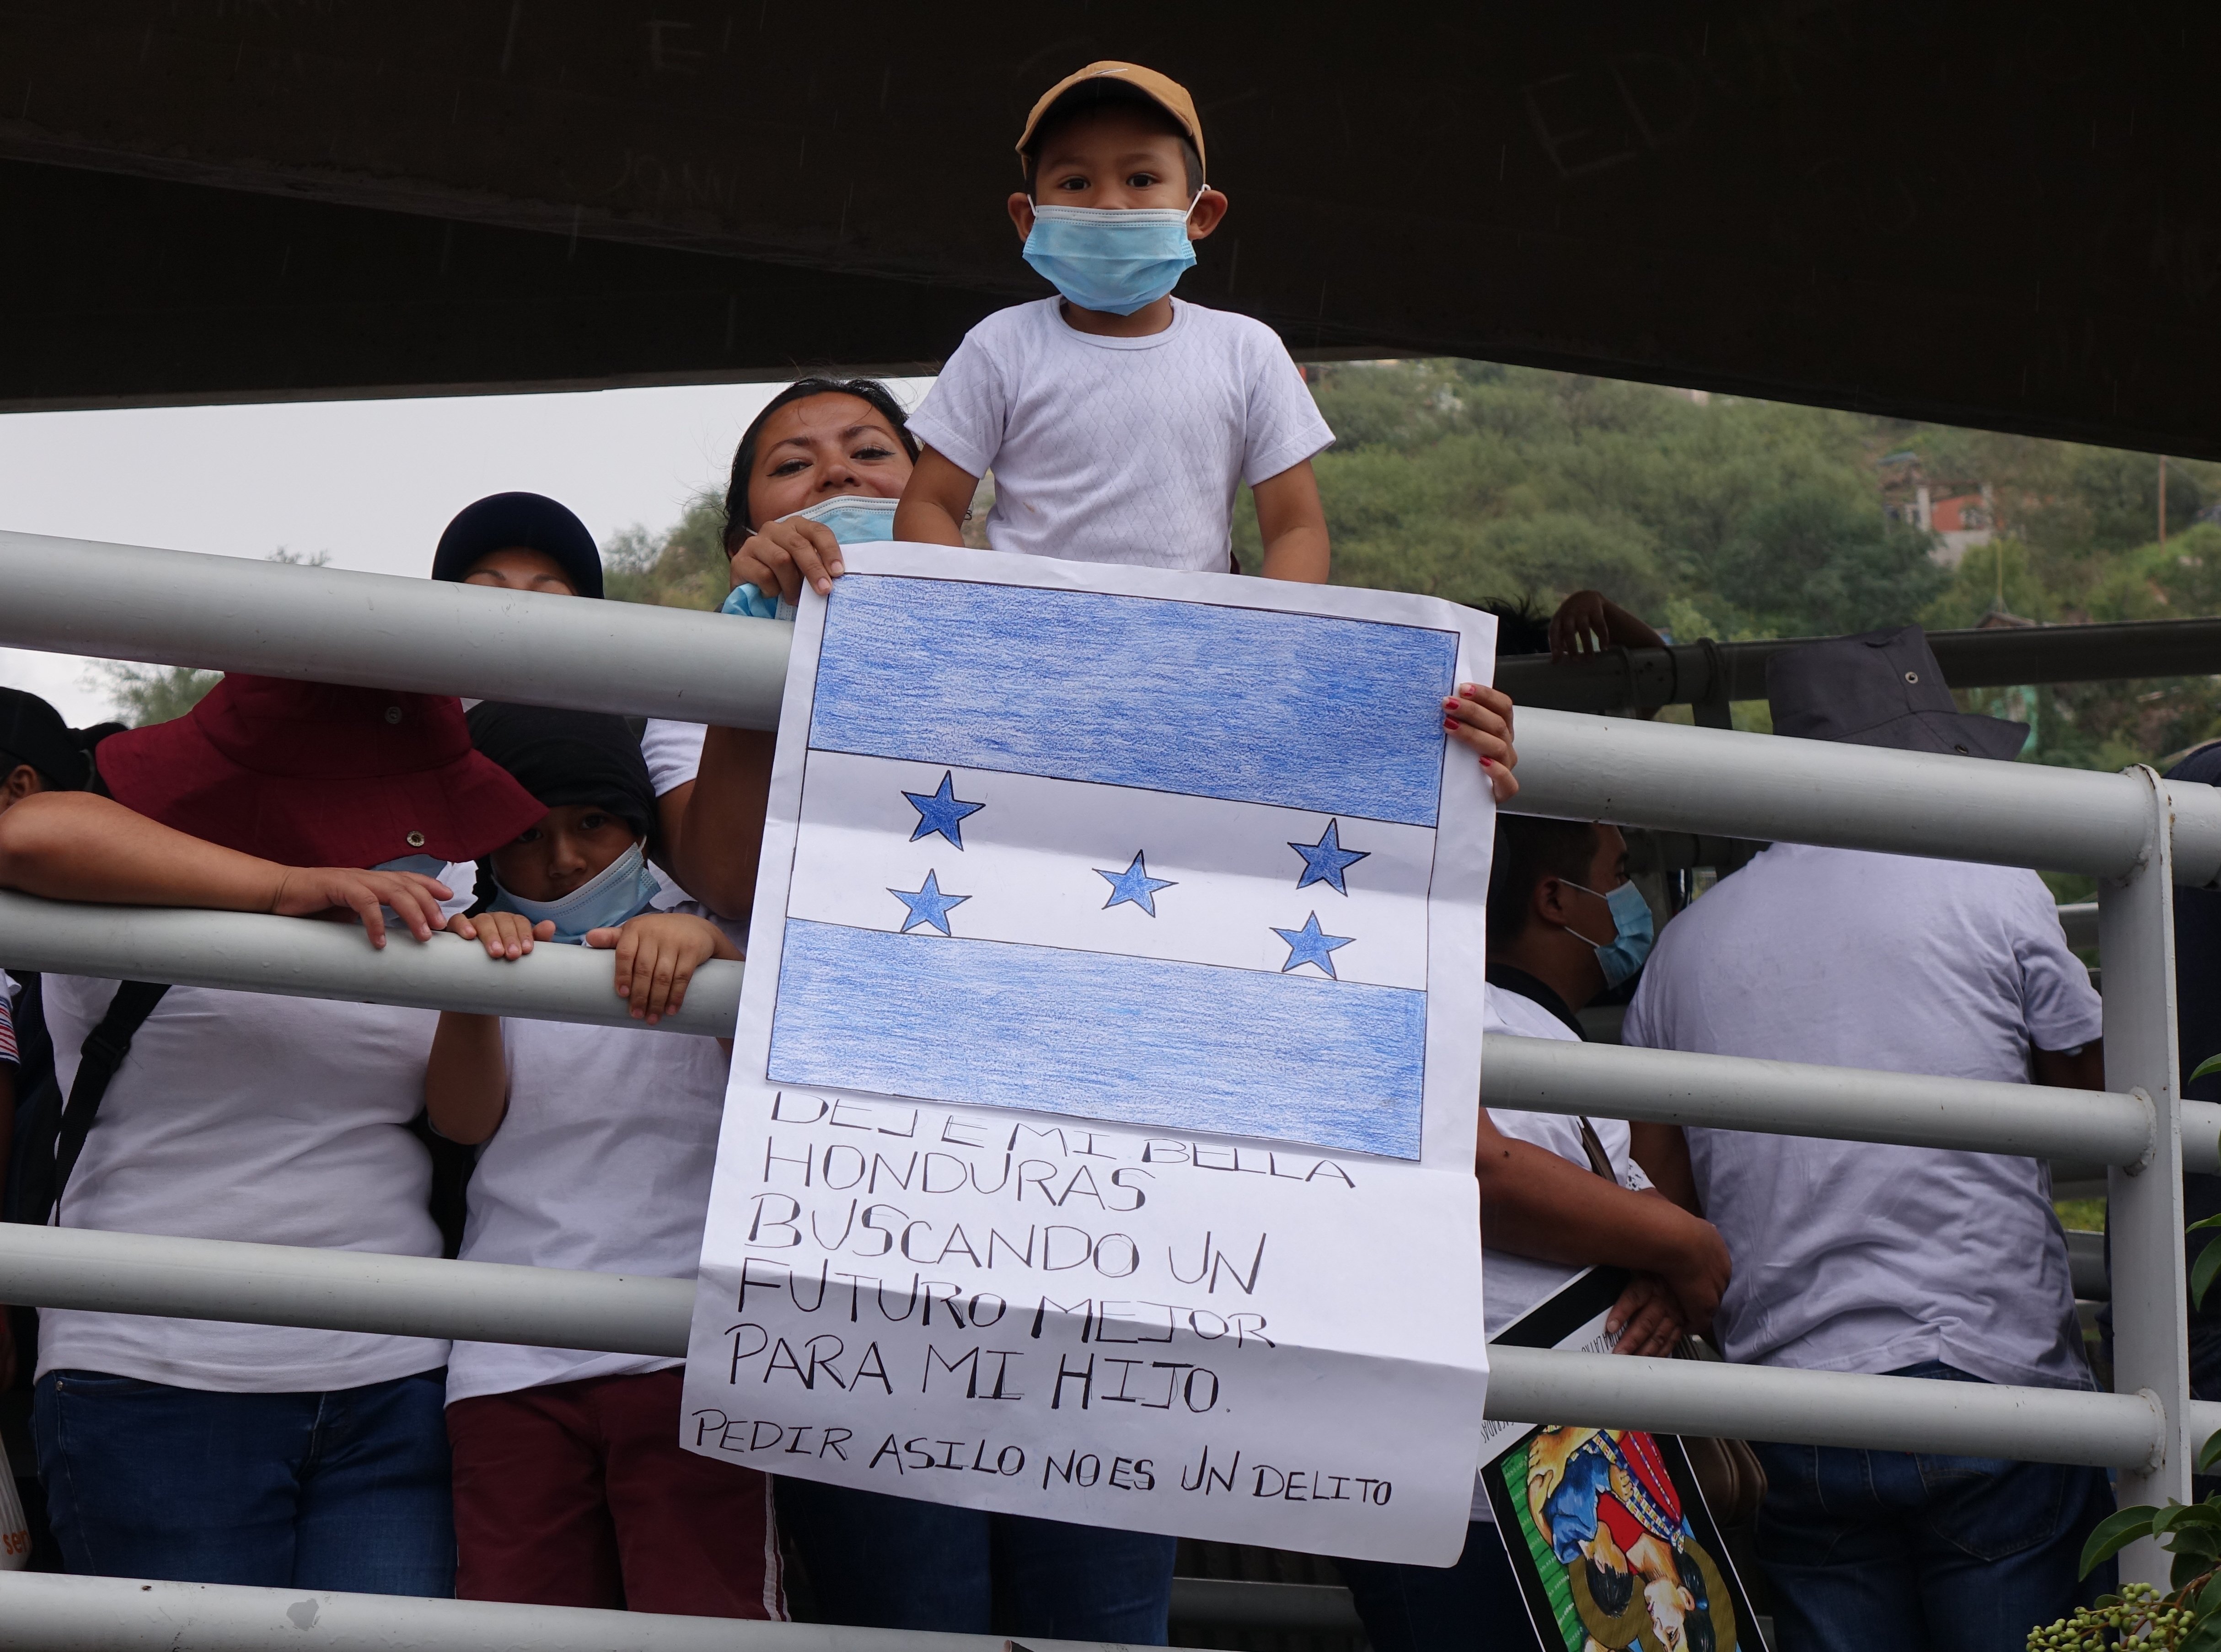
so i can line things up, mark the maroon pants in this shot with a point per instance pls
(579, 1494)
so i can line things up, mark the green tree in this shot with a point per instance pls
(1817, 562)
(141, 695)
(684, 567)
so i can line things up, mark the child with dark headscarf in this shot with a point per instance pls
(571, 1487)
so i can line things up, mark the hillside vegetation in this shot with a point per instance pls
(1732, 518)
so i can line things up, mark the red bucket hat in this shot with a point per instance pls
(311, 774)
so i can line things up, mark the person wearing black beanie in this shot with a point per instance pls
(521, 541)
(571, 762)
(571, 756)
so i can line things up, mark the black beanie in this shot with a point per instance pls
(531, 520)
(571, 756)
(33, 732)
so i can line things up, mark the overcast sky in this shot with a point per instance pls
(372, 483)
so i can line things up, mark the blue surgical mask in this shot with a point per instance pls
(1112, 259)
(747, 600)
(1632, 931)
(854, 518)
(620, 890)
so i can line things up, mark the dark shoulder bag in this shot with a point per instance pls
(44, 1174)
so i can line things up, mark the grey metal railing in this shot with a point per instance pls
(1712, 673)
(2138, 835)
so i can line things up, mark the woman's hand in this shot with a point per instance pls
(1480, 718)
(1646, 1319)
(312, 891)
(506, 934)
(779, 557)
(658, 953)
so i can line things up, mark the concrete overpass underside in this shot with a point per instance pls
(1991, 214)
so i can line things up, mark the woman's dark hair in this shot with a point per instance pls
(738, 522)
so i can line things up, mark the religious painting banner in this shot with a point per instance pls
(1607, 1529)
(1099, 1138)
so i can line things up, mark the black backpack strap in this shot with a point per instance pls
(105, 1047)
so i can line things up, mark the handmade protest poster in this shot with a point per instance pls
(1100, 1140)
(1607, 1530)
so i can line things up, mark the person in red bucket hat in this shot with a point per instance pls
(219, 1453)
(271, 795)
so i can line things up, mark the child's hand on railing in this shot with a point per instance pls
(505, 934)
(1480, 718)
(658, 953)
(311, 891)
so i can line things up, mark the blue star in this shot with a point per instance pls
(927, 905)
(1325, 861)
(1134, 884)
(941, 811)
(1308, 945)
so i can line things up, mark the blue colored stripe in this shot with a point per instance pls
(1337, 716)
(1098, 1035)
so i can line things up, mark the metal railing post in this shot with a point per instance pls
(2151, 1335)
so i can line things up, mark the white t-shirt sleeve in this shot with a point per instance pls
(965, 414)
(1636, 1027)
(673, 752)
(1285, 426)
(2062, 1009)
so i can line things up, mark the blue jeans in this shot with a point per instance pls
(346, 1490)
(1472, 1606)
(877, 1561)
(1896, 1551)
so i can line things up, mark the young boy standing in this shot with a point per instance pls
(1120, 421)
(596, 1145)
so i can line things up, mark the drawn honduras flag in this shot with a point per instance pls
(1159, 862)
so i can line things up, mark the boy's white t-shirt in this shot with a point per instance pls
(1120, 450)
(1104, 449)
(248, 1116)
(602, 1163)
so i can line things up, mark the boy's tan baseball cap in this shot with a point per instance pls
(1161, 90)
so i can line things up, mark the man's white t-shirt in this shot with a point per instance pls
(1511, 1284)
(1120, 450)
(248, 1116)
(602, 1164)
(1857, 1256)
